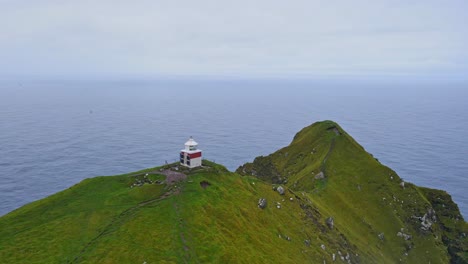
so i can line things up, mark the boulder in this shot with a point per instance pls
(319, 175)
(262, 203)
(381, 236)
(404, 236)
(330, 222)
(280, 190)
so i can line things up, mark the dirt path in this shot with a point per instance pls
(332, 146)
(182, 226)
(172, 177)
(116, 221)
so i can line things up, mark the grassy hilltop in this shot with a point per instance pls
(339, 205)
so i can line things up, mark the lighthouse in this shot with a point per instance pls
(190, 156)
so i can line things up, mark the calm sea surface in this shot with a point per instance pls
(55, 134)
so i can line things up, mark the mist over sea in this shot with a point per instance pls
(55, 134)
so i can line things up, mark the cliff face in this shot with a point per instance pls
(322, 198)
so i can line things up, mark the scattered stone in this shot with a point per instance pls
(323, 246)
(404, 236)
(381, 236)
(333, 257)
(307, 242)
(280, 190)
(291, 199)
(319, 175)
(262, 203)
(359, 187)
(278, 206)
(330, 222)
(402, 184)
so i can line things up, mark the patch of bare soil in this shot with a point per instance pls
(204, 184)
(173, 176)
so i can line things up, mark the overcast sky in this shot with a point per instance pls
(233, 38)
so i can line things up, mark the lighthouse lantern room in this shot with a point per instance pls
(191, 156)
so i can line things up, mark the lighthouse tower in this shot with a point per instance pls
(191, 156)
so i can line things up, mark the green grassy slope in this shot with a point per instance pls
(364, 197)
(211, 216)
(104, 220)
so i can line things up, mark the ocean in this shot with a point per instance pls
(53, 134)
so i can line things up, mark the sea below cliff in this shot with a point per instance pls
(54, 134)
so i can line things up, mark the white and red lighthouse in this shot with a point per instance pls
(191, 156)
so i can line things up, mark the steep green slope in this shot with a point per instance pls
(381, 216)
(210, 216)
(339, 205)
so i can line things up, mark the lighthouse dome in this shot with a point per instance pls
(191, 142)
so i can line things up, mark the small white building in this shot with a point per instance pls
(191, 156)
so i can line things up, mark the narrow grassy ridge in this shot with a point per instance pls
(327, 200)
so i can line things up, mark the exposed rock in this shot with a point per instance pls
(319, 175)
(262, 203)
(402, 184)
(427, 220)
(333, 257)
(334, 129)
(330, 222)
(404, 236)
(348, 258)
(280, 190)
(381, 236)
